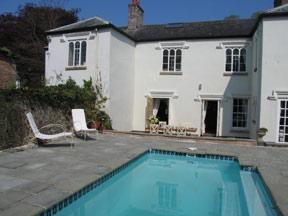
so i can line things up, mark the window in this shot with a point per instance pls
(83, 52)
(240, 113)
(71, 54)
(77, 53)
(283, 121)
(172, 60)
(235, 60)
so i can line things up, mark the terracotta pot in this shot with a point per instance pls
(96, 125)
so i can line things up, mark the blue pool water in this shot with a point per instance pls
(170, 185)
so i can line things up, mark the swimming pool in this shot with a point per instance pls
(162, 183)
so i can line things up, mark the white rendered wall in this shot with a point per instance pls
(57, 61)
(256, 80)
(274, 72)
(202, 63)
(121, 96)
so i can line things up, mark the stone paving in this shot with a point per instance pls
(36, 178)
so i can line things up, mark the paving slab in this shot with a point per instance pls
(21, 209)
(10, 197)
(7, 182)
(32, 187)
(46, 198)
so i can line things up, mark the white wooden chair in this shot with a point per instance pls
(162, 127)
(181, 131)
(168, 130)
(154, 128)
(79, 123)
(46, 137)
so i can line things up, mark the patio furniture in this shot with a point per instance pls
(154, 128)
(168, 129)
(162, 127)
(190, 131)
(181, 131)
(79, 123)
(45, 137)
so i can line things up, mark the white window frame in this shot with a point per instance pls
(74, 53)
(239, 59)
(278, 121)
(247, 114)
(169, 49)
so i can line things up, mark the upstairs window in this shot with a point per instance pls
(77, 53)
(235, 60)
(172, 60)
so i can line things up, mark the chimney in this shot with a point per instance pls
(136, 16)
(278, 3)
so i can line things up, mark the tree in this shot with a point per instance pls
(232, 17)
(256, 14)
(24, 34)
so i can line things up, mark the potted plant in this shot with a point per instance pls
(99, 121)
(153, 120)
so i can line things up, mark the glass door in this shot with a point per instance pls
(283, 122)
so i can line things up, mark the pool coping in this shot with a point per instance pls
(59, 205)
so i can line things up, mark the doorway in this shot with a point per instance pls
(210, 118)
(161, 109)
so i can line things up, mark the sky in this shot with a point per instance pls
(157, 11)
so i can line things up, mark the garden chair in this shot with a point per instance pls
(154, 128)
(46, 137)
(162, 127)
(79, 123)
(168, 130)
(181, 131)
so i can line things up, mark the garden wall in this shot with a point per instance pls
(49, 105)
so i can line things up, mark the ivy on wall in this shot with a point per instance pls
(51, 104)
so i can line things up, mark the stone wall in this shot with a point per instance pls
(14, 128)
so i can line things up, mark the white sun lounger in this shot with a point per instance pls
(79, 122)
(40, 136)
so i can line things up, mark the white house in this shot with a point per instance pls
(227, 78)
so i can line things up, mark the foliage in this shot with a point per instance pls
(24, 34)
(64, 96)
(232, 17)
(153, 120)
(263, 130)
(256, 14)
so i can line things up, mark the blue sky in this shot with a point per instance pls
(158, 11)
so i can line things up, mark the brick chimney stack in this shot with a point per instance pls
(278, 3)
(136, 16)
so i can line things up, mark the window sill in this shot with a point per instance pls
(179, 73)
(235, 73)
(76, 68)
(240, 130)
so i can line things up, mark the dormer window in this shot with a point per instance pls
(172, 60)
(77, 53)
(235, 60)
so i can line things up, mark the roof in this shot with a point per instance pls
(88, 23)
(282, 8)
(195, 30)
(237, 28)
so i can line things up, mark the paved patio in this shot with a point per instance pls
(34, 179)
